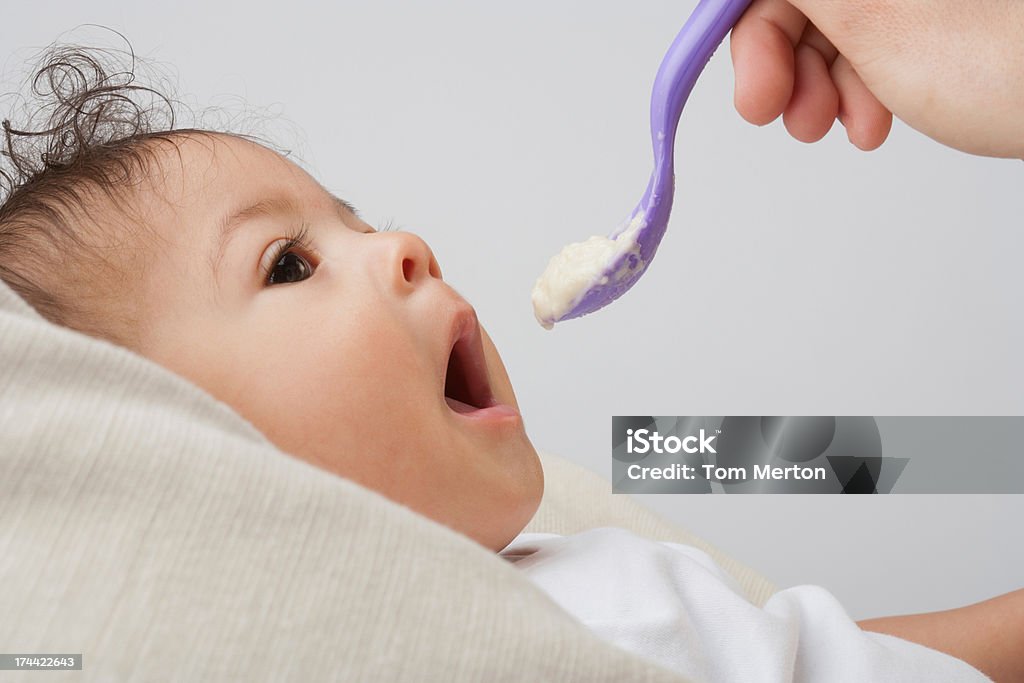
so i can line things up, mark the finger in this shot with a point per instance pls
(867, 121)
(816, 39)
(762, 55)
(815, 103)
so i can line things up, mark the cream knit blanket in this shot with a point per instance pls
(149, 527)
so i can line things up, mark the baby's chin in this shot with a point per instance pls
(531, 477)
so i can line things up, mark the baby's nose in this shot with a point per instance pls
(412, 261)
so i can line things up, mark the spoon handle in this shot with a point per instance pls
(689, 53)
(684, 61)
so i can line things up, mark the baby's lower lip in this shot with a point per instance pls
(493, 412)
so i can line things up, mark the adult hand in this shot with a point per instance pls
(953, 70)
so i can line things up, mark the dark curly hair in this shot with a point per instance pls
(88, 140)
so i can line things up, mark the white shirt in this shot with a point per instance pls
(672, 603)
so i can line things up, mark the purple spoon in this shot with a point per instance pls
(586, 276)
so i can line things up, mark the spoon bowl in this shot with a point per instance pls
(587, 276)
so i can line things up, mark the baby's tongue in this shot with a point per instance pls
(459, 406)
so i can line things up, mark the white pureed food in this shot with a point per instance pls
(579, 265)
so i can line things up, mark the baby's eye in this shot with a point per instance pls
(289, 267)
(287, 263)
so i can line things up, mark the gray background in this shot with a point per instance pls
(794, 279)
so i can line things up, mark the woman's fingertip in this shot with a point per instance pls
(802, 126)
(745, 97)
(856, 141)
(749, 105)
(870, 136)
(752, 114)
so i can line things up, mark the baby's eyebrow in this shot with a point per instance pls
(343, 205)
(274, 206)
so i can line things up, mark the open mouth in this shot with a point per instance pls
(466, 385)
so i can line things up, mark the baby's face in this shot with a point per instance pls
(339, 350)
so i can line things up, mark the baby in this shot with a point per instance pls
(226, 263)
